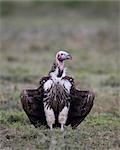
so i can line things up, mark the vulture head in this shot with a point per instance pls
(61, 56)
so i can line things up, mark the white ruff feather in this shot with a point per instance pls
(48, 84)
(54, 75)
(55, 80)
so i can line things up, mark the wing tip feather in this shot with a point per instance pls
(23, 94)
(92, 95)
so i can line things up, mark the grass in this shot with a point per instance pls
(28, 46)
(93, 131)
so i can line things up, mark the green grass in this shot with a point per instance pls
(93, 131)
(28, 47)
(12, 118)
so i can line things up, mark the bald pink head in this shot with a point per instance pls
(60, 57)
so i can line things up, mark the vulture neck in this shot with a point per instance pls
(58, 70)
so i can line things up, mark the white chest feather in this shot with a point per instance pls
(66, 84)
(57, 80)
(48, 84)
(54, 75)
(63, 82)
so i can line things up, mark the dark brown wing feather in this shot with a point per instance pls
(32, 103)
(81, 104)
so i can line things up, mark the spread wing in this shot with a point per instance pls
(81, 104)
(32, 103)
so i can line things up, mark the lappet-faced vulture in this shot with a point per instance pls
(57, 102)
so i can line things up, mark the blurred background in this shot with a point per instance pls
(31, 32)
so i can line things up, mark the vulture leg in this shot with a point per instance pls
(62, 118)
(50, 116)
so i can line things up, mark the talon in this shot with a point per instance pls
(51, 127)
(62, 127)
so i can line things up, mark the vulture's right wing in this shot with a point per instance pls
(32, 103)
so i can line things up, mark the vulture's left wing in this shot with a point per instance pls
(32, 103)
(81, 104)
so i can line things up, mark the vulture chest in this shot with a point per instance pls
(57, 94)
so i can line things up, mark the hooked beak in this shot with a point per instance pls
(69, 56)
